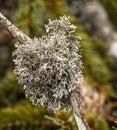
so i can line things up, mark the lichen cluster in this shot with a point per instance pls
(50, 67)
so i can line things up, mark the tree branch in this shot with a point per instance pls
(78, 110)
(23, 38)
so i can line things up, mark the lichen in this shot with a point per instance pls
(50, 67)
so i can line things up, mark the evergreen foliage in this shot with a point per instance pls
(24, 116)
(64, 119)
(95, 63)
(10, 91)
(92, 59)
(32, 15)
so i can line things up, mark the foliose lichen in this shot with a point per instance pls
(50, 68)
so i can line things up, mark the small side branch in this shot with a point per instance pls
(18, 34)
(78, 111)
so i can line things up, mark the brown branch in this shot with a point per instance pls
(18, 34)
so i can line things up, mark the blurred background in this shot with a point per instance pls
(96, 22)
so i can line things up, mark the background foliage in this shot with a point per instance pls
(16, 113)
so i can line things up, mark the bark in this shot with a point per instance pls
(18, 34)
(76, 100)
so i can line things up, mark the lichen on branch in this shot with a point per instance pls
(50, 68)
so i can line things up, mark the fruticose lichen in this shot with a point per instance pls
(50, 67)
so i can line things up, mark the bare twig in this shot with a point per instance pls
(23, 38)
(78, 110)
